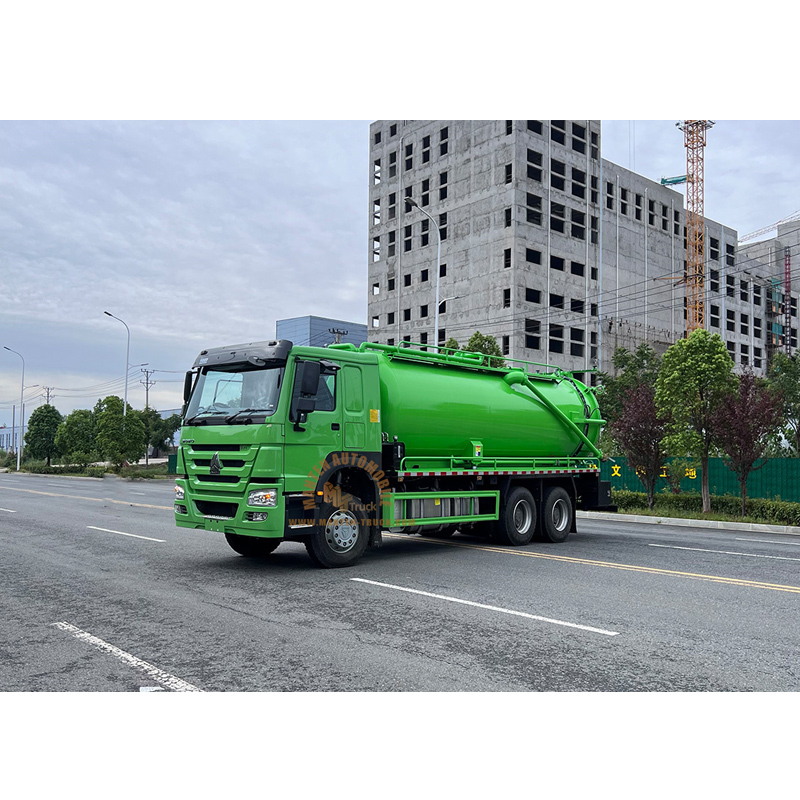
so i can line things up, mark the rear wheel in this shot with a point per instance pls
(517, 522)
(557, 514)
(341, 537)
(251, 546)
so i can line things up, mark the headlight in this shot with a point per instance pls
(178, 492)
(263, 497)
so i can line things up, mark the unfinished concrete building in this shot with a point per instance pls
(561, 255)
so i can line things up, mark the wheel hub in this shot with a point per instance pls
(341, 531)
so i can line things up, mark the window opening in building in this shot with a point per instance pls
(509, 173)
(532, 334)
(556, 338)
(534, 165)
(507, 258)
(506, 298)
(533, 295)
(533, 208)
(533, 256)
(557, 173)
(557, 217)
(558, 131)
(376, 172)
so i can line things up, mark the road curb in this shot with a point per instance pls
(751, 527)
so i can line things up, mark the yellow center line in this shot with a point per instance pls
(776, 587)
(82, 497)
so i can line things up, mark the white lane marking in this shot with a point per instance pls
(724, 552)
(122, 533)
(768, 541)
(490, 608)
(10, 511)
(141, 493)
(164, 678)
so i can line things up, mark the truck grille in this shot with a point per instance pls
(212, 508)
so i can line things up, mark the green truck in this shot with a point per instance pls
(334, 446)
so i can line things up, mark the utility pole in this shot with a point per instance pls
(147, 383)
(336, 332)
(48, 392)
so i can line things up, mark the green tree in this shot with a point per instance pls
(639, 431)
(40, 438)
(120, 438)
(743, 427)
(480, 343)
(631, 370)
(451, 344)
(163, 431)
(695, 379)
(784, 376)
(75, 438)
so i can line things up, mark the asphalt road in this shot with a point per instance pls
(100, 592)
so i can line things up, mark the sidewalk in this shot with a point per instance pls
(753, 527)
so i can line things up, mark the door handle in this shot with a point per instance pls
(334, 426)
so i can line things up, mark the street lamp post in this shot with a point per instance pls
(414, 204)
(127, 361)
(21, 415)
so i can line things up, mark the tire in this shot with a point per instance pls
(517, 523)
(557, 513)
(251, 546)
(341, 538)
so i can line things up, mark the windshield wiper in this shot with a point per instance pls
(191, 420)
(232, 417)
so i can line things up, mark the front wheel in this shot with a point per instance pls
(251, 546)
(517, 522)
(557, 514)
(341, 537)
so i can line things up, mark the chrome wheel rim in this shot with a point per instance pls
(522, 516)
(560, 515)
(341, 531)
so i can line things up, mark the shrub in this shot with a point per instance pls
(771, 512)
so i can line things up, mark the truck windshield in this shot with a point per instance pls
(234, 397)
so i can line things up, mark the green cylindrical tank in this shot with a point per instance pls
(440, 409)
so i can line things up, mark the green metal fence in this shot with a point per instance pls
(779, 478)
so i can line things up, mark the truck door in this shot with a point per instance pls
(308, 441)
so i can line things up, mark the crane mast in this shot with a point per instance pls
(694, 133)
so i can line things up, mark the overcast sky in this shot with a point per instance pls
(204, 233)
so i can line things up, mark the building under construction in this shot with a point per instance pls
(560, 254)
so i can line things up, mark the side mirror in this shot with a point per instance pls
(310, 378)
(304, 401)
(187, 386)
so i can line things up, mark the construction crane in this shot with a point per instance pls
(773, 227)
(694, 137)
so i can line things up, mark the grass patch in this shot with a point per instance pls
(141, 472)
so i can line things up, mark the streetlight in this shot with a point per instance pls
(127, 360)
(414, 204)
(21, 418)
